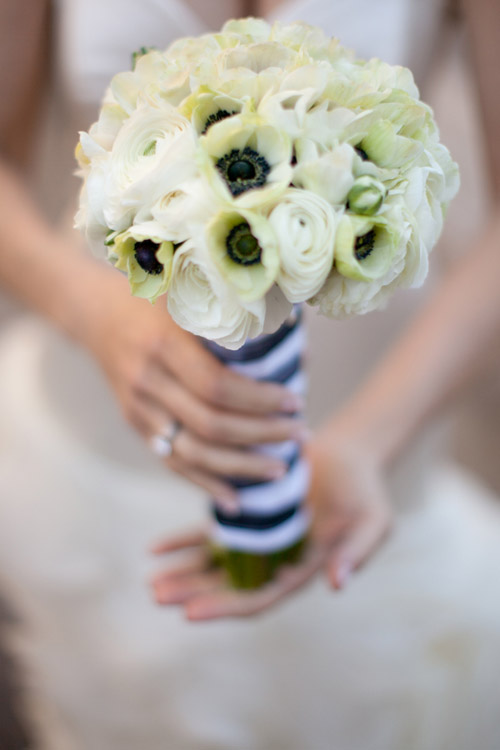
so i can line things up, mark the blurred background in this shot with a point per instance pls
(439, 53)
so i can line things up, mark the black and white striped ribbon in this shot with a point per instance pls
(272, 516)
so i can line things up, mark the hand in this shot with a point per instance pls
(349, 498)
(351, 515)
(160, 373)
(202, 589)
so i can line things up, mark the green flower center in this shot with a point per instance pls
(242, 246)
(222, 114)
(145, 255)
(243, 170)
(364, 245)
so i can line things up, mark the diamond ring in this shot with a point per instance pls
(163, 442)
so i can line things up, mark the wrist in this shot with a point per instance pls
(81, 299)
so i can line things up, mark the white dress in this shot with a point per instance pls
(406, 658)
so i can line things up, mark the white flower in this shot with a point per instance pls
(365, 246)
(329, 175)
(200, 302)
(154, 79)
(243, 246)
(245, 159)
(248, 29)
(148, 135)
(144, 253)
(258, 57)
(305, 225)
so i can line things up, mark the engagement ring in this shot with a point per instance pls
(162, 443)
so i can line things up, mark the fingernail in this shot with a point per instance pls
(343, 574)
(292, 403)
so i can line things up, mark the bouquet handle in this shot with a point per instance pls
(271, 526)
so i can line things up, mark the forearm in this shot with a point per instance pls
(442, 353)
(38, 267)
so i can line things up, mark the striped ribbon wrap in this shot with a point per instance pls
(272, 523)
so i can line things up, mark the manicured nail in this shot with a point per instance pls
(343, 574)
(292, 403)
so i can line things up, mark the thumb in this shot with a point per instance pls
(357, 544)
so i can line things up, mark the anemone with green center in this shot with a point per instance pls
(243, 169)
(242, 246)
(146, 256)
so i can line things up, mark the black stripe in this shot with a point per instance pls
(240, 484)
(285, 372)
(257, 523)
(256, 348)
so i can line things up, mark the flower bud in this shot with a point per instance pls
(366, 196)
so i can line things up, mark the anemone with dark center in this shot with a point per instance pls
(243, 170)
(361, 152)
(145, 255)
(364, 245)
(222, 114)
(242, 246)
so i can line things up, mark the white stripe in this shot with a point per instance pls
(297, 383)
(262, 541)
(271, 498)
(266, 366)
(284, 451)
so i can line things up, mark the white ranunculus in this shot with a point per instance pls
(107, 127)
(202, 303)
(186, 211)
(305, 225)
(154, 78)
(254, 29)
(258, 57)
(429, 187)
(147, 135)
(300, 108)
(330, 175)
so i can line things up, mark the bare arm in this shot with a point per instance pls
(448, 346)
(157, 371)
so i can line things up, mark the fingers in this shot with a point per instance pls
(220, 491)
(181, 588)
(216, 384)
(181, 541)
(356, 545)
(224, 462)
(213, 424)
(223, 603)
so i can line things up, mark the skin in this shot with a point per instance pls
(452, 339)
(157, 371)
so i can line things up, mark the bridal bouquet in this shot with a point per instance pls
(244, 172)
